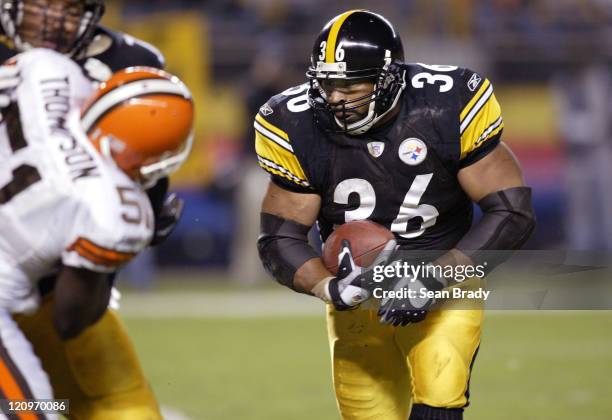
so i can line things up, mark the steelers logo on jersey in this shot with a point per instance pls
(412, 151)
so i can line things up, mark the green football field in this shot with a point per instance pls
(207, 357)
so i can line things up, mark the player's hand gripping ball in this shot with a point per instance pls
(367, 239)
(347, 251)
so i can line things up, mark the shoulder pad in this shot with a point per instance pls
(123, 51)
(466, 93)
(5, 52)
(480, 118)
(282, 134)
(51, 87)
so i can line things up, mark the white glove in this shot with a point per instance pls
(115, 297)
(346, 291)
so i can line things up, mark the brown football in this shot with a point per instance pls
(367, 239)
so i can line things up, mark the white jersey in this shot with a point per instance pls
(61, 202)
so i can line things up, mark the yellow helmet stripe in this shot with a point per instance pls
(332, 37)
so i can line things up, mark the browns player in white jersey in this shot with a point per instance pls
(72, 194)
(72, 27)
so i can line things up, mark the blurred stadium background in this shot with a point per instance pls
(220, 341)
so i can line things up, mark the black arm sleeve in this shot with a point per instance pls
(507, 222)
(283, 247)
(157, 195)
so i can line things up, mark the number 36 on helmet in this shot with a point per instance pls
(142, 118)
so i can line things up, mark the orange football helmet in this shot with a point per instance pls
(142, 118)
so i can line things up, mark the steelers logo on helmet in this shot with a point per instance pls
(412, 151)
(356, 46)
(142, 118)
(64, 26)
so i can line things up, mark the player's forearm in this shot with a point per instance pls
(71, 321)
(453, 258)
(508, 219)
(81, 297)
(283, 248)
(309, 275)
(507, 222)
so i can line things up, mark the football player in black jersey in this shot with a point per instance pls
(411, 147)
(98, 371)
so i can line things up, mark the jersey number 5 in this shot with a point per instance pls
(409, 209)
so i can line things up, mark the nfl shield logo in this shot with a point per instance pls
(376, 148)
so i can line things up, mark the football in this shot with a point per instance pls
(367, 239)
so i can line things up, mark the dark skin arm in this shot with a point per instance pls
(81, 298)
(300, 208)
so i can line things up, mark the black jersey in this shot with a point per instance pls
(402, 175)
(108, 52)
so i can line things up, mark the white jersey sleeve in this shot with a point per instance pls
(46, 74)
(105, 219)
(61, 202)
(109, 227)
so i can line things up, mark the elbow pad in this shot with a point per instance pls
(283, 247)
(507, 222)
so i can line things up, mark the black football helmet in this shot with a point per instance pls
(356, 45)
(12, 14)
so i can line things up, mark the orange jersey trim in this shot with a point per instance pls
(100, 255)
(10, 390)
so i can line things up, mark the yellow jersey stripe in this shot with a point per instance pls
(279, 170)
(278, 155)
(272, 128)
(332, 37)
(473, 114)
(493, 129)
(484, 125)
(474, 99)
(271, 136)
